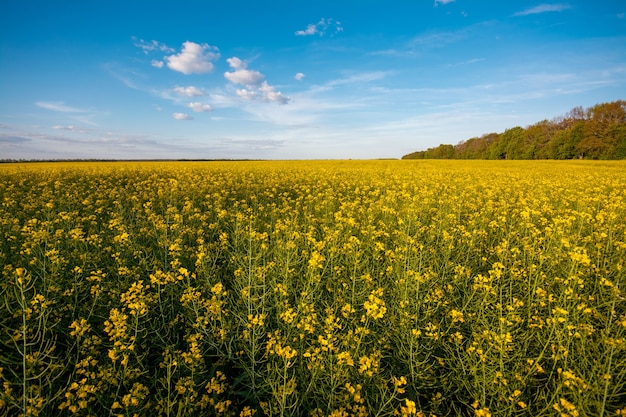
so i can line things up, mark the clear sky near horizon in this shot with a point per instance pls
(294, 80)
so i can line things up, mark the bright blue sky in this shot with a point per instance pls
(294, 80)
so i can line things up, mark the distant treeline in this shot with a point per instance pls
(598, 132)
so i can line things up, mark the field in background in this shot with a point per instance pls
(371, 288)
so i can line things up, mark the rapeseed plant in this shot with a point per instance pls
(347, 288)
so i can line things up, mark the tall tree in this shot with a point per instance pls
(603, 130)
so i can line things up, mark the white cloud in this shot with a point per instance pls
(264, 92)
(299, 76)
(241, 75)
(84, 116)
(193, 58)
(257, 87)
(151, 46)
(182, 116)
(321, 28)
(467, 62)
(190, 91)
(311, 29)
(58, 106)
(157, 64)
(269, 93)
(438, 39)
(70, 128)
(544, 8)
(363, 77)
(438, 2)
(199, 107)
(246, 94)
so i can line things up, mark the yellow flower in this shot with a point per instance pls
(566, 408)
(457, 316)
(247, 412)
(482, 412)
(217, 288)
(288, 315)
(369, 364)
(80, 328)
(222, 406)
(255, 320)
(375, 306)
(344, 358)
(409, 408)
(217, 384)
(316, 260)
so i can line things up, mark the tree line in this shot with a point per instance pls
(598, 132)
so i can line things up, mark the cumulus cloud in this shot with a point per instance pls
(157, 64)
(269, 93)
(194, 58)
(264, 92)
(256, 86)
(299, 76)
(241, 75)
(182, 116)
(190, 91)
(321, 28)
(311, 29)
(199, 107)
(543, 8)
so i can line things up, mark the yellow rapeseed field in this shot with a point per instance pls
(317, 288)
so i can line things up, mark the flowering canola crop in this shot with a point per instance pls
(318, 288)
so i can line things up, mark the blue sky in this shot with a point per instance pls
(294, 80)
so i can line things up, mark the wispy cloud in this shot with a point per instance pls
(151, 46)
(13, 139)
(299, 76)
(74, 113)
(323, 27)
(59, 106)
(30, 142)
(359, 78)
(194, 58)
(468, 62)
(355, 78)
(254, 144)
(429, 40)
(544, 8)
(438, 2)
(438, 39)
(71, 128)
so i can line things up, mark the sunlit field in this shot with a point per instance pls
(318, 288)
